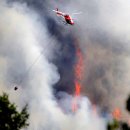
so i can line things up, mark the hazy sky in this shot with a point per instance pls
(38, 53)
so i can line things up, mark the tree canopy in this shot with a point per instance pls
(10, 118)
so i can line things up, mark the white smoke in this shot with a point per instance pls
(23, 39)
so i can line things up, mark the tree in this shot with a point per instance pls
(124, 126)
(128, 104)
(10, 118)
(113, 125)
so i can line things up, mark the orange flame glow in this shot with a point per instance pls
(116, 114)
(78, 76)
(79, 65)
(77, 88)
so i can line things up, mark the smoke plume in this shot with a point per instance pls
(28, 52)
(103, 35)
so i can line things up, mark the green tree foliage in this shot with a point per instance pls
(113, 125)
(10, 118)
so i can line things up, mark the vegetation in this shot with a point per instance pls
(128, 104)
(113, 125)
(10, 118)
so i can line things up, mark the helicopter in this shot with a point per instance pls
(68, 19)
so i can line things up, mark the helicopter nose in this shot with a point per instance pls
(72, 23)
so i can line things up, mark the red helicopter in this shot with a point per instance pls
(66, 17)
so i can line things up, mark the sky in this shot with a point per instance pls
(38, 54)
